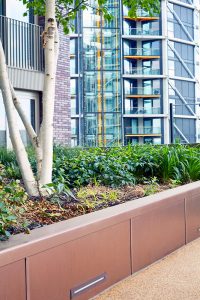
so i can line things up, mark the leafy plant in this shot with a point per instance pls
(116, 166)
(152, 186)
(12, 197)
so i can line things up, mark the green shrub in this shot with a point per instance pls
(12, 198)
(117, 166)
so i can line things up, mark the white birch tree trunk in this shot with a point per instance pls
(21, 154)
(46, 134)
(42, 143)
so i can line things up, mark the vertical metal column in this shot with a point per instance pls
(171, 113)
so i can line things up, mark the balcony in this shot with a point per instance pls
(143, 131)
(142, 53)
(136, 31)
(142, 92)
(142, 71)
(142, 111)
(141, 15)
(22, 44)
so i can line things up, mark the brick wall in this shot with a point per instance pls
(62, 116)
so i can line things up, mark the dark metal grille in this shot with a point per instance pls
(22, 44)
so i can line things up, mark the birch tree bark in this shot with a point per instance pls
(46, 134)
(42, 143)
(21, 154)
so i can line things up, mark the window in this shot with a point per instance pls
(152, 126)
(73, 86)
(134, 126)
(151, 87)
(73, 106)
(91, 125)
(1, 8)
(150, 27)
(90, 104)
(74, 126)
(154, 141)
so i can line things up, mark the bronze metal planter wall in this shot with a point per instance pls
(78, 258)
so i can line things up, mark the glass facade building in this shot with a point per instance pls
(101, 77)
(125, 73)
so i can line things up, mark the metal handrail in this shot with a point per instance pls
(142, 91)
(143, 110)
(142, 130)
(140, 13)
(22, 44)
(137, 31)
(142, 51)
(143, 71)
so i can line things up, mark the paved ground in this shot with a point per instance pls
(176, 277)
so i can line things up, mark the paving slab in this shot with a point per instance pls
(176, 277)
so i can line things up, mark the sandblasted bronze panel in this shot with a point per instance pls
(192, 218)
(12, 281)
(58, 272)
(157, 233)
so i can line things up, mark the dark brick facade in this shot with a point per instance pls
(62, 115)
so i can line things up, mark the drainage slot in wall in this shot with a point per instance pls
(87, 285)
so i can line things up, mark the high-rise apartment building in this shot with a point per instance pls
(125, 73)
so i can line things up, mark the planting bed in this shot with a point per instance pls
(38, 212)
(78, 258)
(110, 237)
(98, 178)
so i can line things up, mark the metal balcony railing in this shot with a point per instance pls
(136, 31)
(142, 110)
(142, 71)
(142, 130)
(22, 44)
(143, 13)
(140, 13)
(142, 91)
(142, 51)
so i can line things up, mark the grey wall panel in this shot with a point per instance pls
(2, 138)
(24, 79)
(186, 53)
(187, 127)
(186, 17)
(187, 91)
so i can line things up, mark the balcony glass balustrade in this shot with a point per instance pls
(142, 110)
(142, 71)
(142, 91)
(140, 13)
(142, 130)
(22, 44)
(136, 31)
(142, 51)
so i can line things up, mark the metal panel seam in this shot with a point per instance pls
(27, 278)
(185, 219)
(131, 248)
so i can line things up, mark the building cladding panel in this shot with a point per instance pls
(62, 113)
(183, 70)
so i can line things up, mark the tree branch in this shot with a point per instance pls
(31, 132)
(21, 154)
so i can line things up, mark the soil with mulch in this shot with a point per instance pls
(41, 212)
